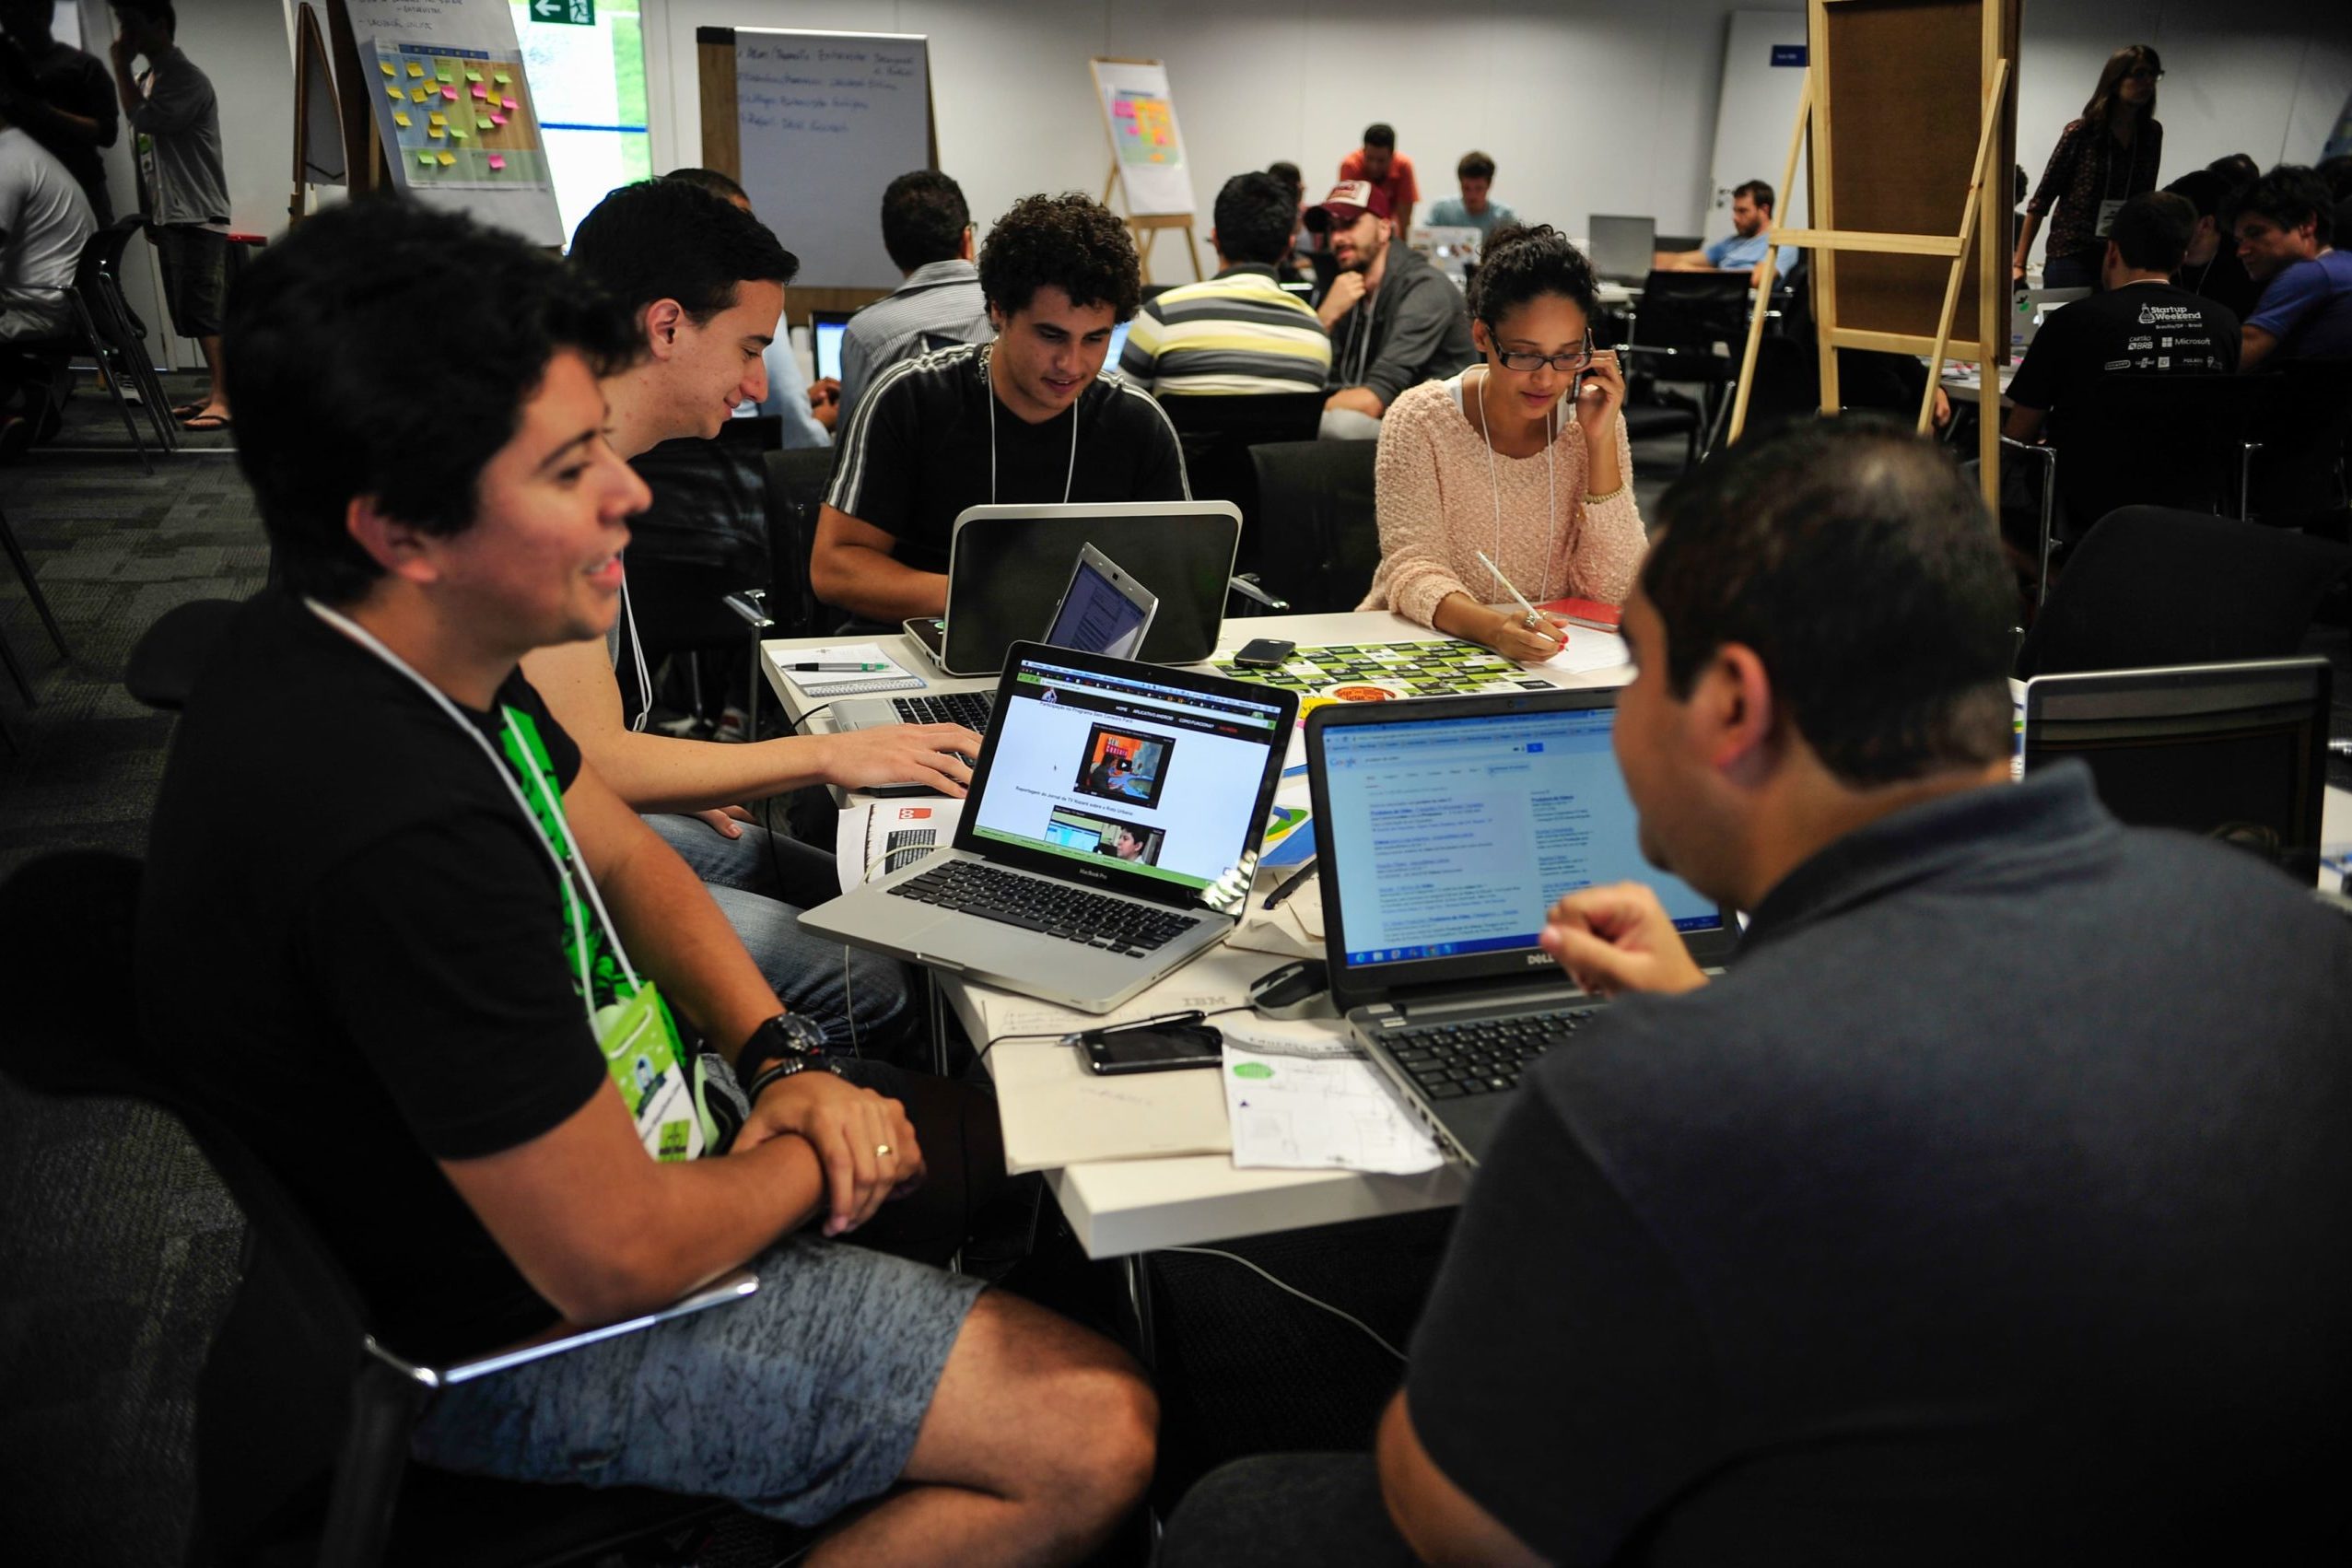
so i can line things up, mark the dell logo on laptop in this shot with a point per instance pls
(1539, 960)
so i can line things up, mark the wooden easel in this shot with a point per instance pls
(1886, 303)
(364, 168)
(1145, 227)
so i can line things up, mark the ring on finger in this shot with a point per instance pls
(882, 1151)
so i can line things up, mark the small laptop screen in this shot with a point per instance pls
(828, 349)
(1127, 773)
(1118, 346)
(1455, 836)
(1097, 617)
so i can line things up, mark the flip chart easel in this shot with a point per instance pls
(1147, 152)
(318, 116)
(1888, 169)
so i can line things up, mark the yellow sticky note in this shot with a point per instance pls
(433, 130)
(438, 118)
(387, 66)
(401, 121)
(413, 68)
(419, 95)
(447, 159)
(392, 93)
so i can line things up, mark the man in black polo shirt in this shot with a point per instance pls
(1990, 1209)
(1028, 418)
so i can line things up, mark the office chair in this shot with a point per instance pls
(1217, 433)
(704, 535)
(780, 604)
(1690, 329)
(108, 331)
(302, 1417)
(2296, 445)
(2149, 586)
(16, 553)
(1321, 544)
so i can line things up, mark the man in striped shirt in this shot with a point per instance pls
(1239, 333)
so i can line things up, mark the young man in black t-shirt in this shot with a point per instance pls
(1031, 417)
(1989, 1209)
(456, 1007)
(2140, 324)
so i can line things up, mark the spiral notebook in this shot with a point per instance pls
(891, 677)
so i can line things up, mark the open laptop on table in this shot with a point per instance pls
(1624, 247)
(1447, 828)
(1112, 828)
(826, 329)
(1103, 609)
(1004, 567)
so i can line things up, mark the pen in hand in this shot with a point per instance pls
(1534, 620)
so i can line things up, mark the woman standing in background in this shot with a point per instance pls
(2102, 161)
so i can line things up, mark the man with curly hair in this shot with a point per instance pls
(1031, 417)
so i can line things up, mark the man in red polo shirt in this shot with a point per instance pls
(1380, 162)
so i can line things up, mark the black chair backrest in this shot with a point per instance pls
(2153, 440)
(2149, 586)
(273, 1400)
(2305, 431)
(1217, 433)
(172, 652)
(796, 482)
(1690, 313)
(1320, 540)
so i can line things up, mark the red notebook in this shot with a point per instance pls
(1588, 613)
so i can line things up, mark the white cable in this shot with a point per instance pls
(1293, 1290)
(637, 653)
(1495, 488)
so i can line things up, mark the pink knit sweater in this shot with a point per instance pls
(1436, 509)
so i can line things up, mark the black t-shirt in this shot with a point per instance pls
(351, 944)
(916, 453)
(1991, 1210)
(2223, 280)
(80, 84)
(2139, 329)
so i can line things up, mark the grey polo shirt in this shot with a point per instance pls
(179, 141)
(942, 298)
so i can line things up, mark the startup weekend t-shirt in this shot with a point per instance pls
(2141, 329)
(353, 946)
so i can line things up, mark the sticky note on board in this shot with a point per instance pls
(447, 159)
(450, 93)
(433, 130)
(481, 122)
(444, 73)
(496, 119)
(510, 102)
(414, 69)
(425, 158)
(419, 96)
(472, 74)
(500, 78)
(393, 93)
(481, 91)
(438, 118)
(386, 66)
(497, 162)
(401, 121)
(457, 133)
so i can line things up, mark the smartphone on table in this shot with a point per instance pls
(1151, 1047)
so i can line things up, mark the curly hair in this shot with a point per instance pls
(1072, 242)
(317, 428)
(1518, 263)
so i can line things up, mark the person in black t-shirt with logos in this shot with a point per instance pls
(2211, 267)
(411, 948)
(2142, 324)
(1989, 1208)
(1031, 417)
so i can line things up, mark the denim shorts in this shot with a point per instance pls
(794, 1402)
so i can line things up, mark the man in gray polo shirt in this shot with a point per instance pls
(928, 231)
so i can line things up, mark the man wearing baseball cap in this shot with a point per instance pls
(1395, 320)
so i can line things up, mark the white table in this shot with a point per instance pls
(1119, 1208)
(1970, 387)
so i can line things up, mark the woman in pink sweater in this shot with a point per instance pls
(1523, 457)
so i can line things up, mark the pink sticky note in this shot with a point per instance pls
(509, 104)
(497, 119)
(450, 93)
(497, 162)
(481, 91)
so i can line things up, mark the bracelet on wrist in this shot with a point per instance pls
(1610, 495)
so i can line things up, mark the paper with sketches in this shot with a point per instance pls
(1301, 1096)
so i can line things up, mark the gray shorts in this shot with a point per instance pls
(795, 1403)
(195, 277)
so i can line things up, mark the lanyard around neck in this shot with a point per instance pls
(579, 867)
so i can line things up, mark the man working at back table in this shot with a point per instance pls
(928, 231)
(2286, 229)
(1238, 333)
(1744, 248)
(1990, 1209)
(1030, 417)
(440, 1013)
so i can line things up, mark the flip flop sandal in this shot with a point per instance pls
(204, 424)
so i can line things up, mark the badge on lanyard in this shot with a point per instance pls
(2107, 211)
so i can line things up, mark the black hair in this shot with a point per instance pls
(673, 240)
(2202, 189)
(2335, 173)
(2101, 107)
(1287, 172)
(1474, 166)
(1758, 192)
(319, 324)
(2236, 168)
(2289, 195)
(724, 186)
(1072, 242)
(1863, 571)
(1380, 133)
(1518, 263)
(923, 220)
(2152, 230)
(1254, 216)
(153, 10)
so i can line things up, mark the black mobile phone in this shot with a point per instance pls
(1265, 652)
(1151, 1047)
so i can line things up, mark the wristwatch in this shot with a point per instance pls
(785, 1045)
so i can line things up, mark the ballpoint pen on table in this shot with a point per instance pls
(831, 669)
(1306, 869)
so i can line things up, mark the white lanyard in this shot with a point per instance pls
(1494, 486)
(987, 366)
(369, 641)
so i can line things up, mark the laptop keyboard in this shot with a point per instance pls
(1451, 1061)
(1055, 909)
(971, 710)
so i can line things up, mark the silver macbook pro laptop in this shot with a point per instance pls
(1103, 609)
(1622, 247)
(2031, 308)
(1447, 829)
(1112, 828)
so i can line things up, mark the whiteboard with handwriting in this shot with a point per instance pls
(827, 121)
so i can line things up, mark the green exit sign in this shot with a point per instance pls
(577, 13)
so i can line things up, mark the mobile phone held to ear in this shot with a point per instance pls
(1158, 1046)
(1264, 653)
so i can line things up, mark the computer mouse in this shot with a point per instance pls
(1300, 988)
